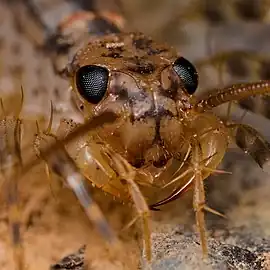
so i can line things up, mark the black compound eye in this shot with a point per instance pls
(187, 73)
(91, 82)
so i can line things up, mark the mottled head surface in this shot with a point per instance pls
(146, 83)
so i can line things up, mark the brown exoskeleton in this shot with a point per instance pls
(162, 136)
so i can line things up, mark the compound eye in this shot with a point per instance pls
(187, 73)
(92, 82)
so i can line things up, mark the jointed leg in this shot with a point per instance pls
(199, 204)
(60, 162)
(199, 198)
(15, 218)
(195, 175)
(118, 172)
(10, 170)
(127, 174)
(252, 143)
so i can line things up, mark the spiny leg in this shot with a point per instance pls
(199, 197)
(49, 152)
(64, 166)
(195, 174)
(196, 180)
(15, 217)
(90, 125)
(188, 174)
(12, 174)
(119, 173)
(11, 165)
(127, 174)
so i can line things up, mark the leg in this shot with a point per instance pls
(11, 172)
(11, 164)
(106, 164)
(252, 143)
(15, 217)
(127, 174)
(179, 191)
(64, 166)
(199, 198)
(195, 173)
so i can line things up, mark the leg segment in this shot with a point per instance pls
(194, 174)
(10, 171)
(252, 143)
(93, 160)
(64, 166)
(127, 175)
(199, 198)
